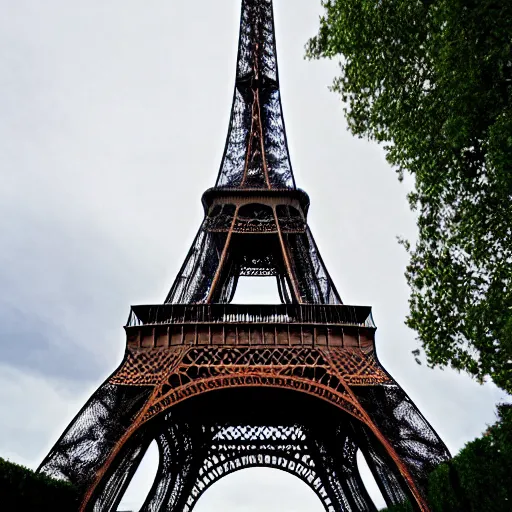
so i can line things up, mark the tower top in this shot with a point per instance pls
(256, 153)
(255, 218)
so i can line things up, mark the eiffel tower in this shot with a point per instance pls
(221, 387)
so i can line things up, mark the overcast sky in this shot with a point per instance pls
(113, 118)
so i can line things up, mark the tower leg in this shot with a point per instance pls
(120, 475)
(94, 433)
(412, 437)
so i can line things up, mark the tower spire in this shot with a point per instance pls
(256, 153)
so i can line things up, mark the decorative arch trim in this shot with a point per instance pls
(342, 399)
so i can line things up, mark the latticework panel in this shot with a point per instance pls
(122, 472)
(195, 278)
(254, 250)
(414, 440)
(89, 440)
(386, 475)
(290, 448)
(315, 283)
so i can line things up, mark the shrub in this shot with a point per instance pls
(23, 489)
(479, 478)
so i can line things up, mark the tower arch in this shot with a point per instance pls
(271, 490)
(253, 413)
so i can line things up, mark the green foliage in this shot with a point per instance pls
(444, 489)
(483, 472)
(432, 81)
(22, 489)
(479, 478)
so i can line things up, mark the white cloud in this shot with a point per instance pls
(252, 490)
(34, 410)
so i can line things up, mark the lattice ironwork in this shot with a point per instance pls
(260, 246)
(221, 387)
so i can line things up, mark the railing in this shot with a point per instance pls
(316, 314)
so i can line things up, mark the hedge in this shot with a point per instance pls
(21, 489)
(478, 478)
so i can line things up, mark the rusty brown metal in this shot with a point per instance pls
(276, 366)
(286, 257)
(222, 259)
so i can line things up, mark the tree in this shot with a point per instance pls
(478, 478)
(431, 80)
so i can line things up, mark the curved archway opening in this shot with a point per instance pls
(246, 422)
(258, 489)
(141, 482)
(369, 481)
(254, 414)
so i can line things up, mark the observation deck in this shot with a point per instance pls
(270, 196)
(165, 325)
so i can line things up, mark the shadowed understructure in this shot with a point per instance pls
(221, 387)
